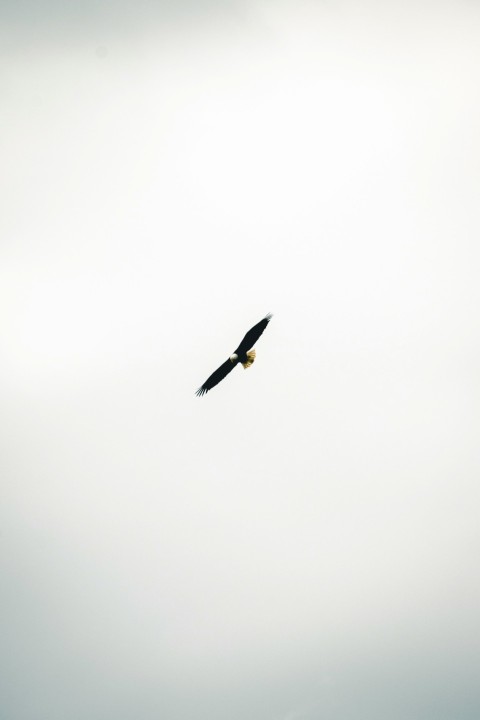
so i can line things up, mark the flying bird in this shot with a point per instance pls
(243, 354)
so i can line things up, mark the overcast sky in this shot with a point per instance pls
(303, 542)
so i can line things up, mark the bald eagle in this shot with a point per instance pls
(243, 354)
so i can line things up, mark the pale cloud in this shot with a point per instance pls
(303, 541)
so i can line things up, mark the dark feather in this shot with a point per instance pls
(252, 336)
(215, 377)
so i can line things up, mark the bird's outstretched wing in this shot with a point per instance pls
(217, 376)
(252, 335)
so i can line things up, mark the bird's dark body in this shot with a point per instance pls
(243, 354)
(242, 358)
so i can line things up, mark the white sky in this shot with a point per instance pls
(302, 543)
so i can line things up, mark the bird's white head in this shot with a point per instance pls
(233, 357)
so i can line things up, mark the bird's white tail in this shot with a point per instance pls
(250, 359)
